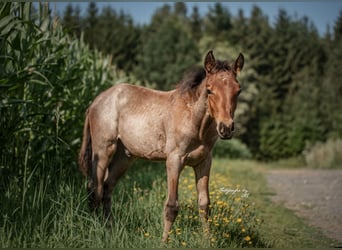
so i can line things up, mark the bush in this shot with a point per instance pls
(324, 154)
(234, 149)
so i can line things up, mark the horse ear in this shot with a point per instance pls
(238, 65)
(209, 62)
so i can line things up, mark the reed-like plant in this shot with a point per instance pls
(47, 80)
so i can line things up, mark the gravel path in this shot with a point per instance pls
(315, 195)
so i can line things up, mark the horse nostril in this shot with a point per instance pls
(222, 128)
(225, 131)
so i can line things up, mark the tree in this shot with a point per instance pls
(196, 24)
(292, 99)
(331, 91)
(68, 16)
(180, 9)
(257, 45)
(124, 40)
(218, 21)
(338, 28)
(239, 33)
(160, 15)
(71, 20)
(91, 29)
(166, 53)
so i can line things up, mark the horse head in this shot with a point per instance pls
(222, 91)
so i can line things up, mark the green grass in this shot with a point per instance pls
(53, 212)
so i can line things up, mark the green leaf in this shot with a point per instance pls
(7, 23)
(46, 82)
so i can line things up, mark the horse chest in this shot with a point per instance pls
(197, 155)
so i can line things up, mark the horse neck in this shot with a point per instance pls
(203, 119)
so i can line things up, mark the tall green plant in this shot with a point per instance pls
(47, 80)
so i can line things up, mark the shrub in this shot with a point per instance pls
(324, 154)
(234, 149)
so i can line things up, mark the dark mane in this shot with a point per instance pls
(191, 80)
(193, 77)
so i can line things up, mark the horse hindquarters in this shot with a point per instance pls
(103, 137)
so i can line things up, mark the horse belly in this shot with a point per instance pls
(143, 138)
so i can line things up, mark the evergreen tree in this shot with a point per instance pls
(338, 28)
(160, 15)
(68, 16)
(180, 9)
(196, 24)
(331, 91)
(257, 45)
(77, 21)
(294, 115)
(166, 53)
(218, 21)
(239, 33)
(91, 32)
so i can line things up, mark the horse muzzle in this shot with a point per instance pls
(224, 131)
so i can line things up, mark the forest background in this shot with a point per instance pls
(291, 98)
(291, 90)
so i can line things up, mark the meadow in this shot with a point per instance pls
(52, 211)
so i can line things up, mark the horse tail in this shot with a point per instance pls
(85, 155)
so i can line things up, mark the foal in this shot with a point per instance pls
(180, 126)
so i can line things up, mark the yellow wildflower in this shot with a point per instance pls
(247, 238)
(219, 203)
(183, 243)
(238, 220)
(146, 234)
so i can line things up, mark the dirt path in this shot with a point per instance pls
(315, 195)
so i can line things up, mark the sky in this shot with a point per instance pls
(321, 13)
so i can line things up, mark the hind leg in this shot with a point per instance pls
(101, 159)
(104, 139)
(118, 166)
